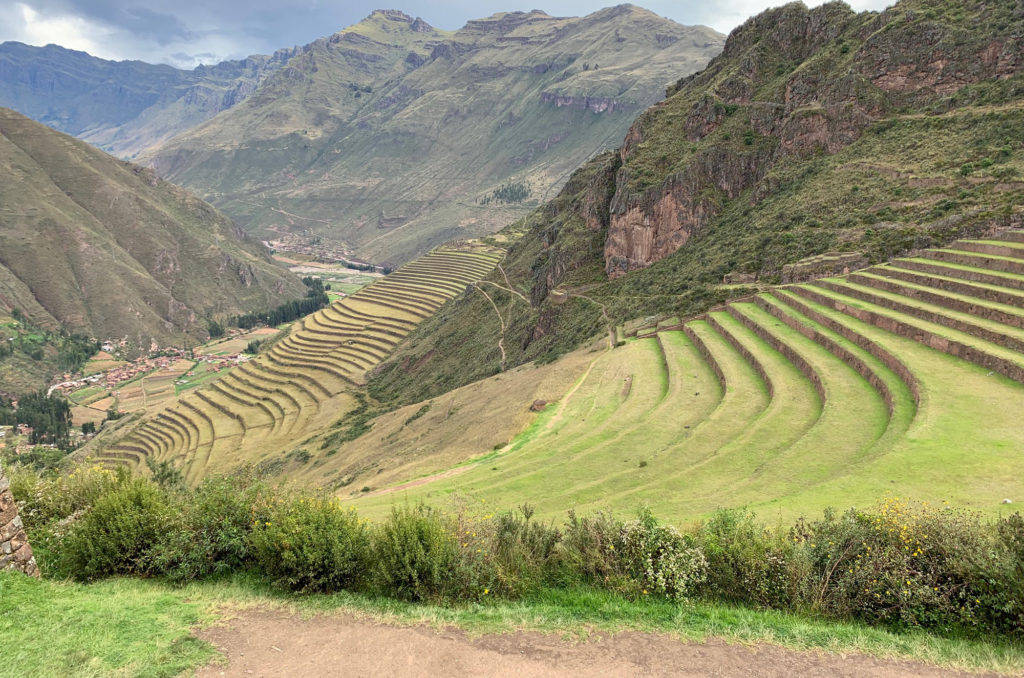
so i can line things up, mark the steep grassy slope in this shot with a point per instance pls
(388, 135)
(103, 247)
(815, 131)
(905, 378)
(123, 107)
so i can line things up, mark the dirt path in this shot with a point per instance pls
(265, 643)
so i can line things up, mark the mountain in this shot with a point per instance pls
(815, 131)
(391, 136)
(103, 247)
(124, 107)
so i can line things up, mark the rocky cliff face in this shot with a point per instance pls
(801, 82)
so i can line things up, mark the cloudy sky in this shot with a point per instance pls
(188, 32)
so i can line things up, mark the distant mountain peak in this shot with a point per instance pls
(391, 15)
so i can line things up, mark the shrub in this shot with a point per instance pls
(660, 559)
(416, 555)
(117, 534)
(310, 543)
(42, 501)
(908, 566)
(750, 564)
(587, 552)
(210, 532)
(523, 552)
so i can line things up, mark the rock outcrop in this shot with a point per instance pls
(15, 551)
(792, 83)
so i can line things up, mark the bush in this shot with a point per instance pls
(117, 535)
(42, 502)
(750, 564)
(660, 559)
(311, 543)
(587, 552)
(908, 566)
(210, 531)
(523, 551)
(416, 555)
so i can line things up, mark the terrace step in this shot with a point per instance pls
(970, 273)
(977, 290)
(900, 399)
(411, 306)
(1007, 314)
(992, 331)
(976, 260)
(1013, 235)
(999, 248)
(820, 316)
(939, 337)
(843, 390)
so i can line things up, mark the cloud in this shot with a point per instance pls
(186, 33)
(27, 25)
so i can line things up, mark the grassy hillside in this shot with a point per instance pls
(102, 247)
(815, 131)
(124, 107)
(391, 137)
(901, 379)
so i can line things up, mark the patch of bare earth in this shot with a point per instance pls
(272, 643)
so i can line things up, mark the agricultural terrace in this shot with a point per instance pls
(303, 381)
(902, 378)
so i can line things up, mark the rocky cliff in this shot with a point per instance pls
(792, 84)
(816, 130)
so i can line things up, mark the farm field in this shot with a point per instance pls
(238, 343)
(101, 362)
(304, 382)
(902, 379)
(342, 279)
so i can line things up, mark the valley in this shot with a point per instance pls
(598, 325)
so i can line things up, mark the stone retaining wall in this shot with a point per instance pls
(706, 353)
(951, 285)
(848, 357)
(972, 275)
(745, 352)
(890, 324)
(15, 552)
(785, 349)
(890, 360)
(996, 337)
(929, 297)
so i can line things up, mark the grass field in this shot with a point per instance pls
(833, 393)
(143, 628)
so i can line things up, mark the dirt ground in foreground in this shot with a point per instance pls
(271, 643)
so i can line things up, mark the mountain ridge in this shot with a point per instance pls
(99, 246)
(123, 107)
(392, 138)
